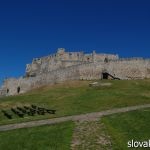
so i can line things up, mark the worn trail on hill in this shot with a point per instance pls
(82, 117)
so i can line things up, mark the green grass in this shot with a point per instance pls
(54, 137)
(125, 127)
(77, 98)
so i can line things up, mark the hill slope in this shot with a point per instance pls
(76, 97)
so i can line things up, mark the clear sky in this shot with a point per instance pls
(34, 28)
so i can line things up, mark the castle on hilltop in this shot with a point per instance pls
(63, 59)
(64, 66)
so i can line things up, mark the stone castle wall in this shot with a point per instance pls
(64, 59)
(129, 69)
(63, 70)
(76, 72)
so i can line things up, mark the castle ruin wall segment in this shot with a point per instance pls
(64, 66)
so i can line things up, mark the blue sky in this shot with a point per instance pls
(34, 28)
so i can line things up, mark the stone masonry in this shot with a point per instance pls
(64, 66)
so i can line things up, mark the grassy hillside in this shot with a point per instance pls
(125, 127)
(77, 97)
(55, 137)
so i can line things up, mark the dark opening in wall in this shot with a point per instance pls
(105, 75)
(70, 55)
(7, 91)
(106, 60)
(18, 89)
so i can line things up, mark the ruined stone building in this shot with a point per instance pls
(64, 66)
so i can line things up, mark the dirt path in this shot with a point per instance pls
(83, 117)
(90, 135)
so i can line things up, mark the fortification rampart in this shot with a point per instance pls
(64, 59)
(52, 77)
(129, 69)
(56, 71)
